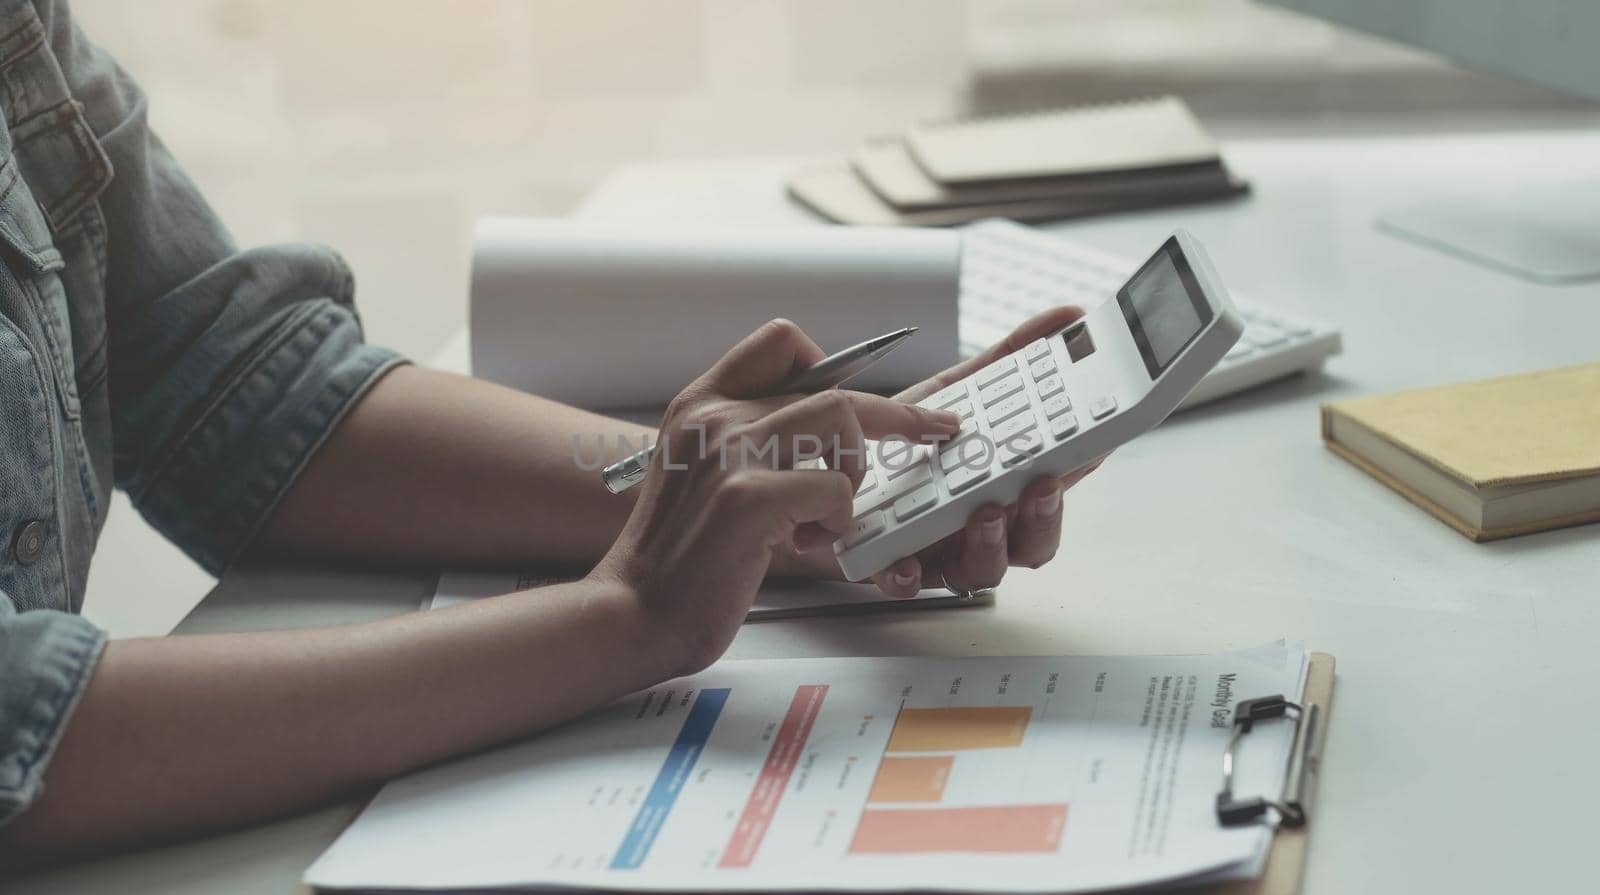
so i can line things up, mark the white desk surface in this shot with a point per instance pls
(1461, 746)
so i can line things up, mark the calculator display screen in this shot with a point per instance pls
(1163, 306)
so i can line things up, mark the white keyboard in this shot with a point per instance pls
(1009, 272)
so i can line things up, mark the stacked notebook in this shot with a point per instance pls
(1045, 165)
(1493, 458)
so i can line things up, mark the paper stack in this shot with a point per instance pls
(1058, 164)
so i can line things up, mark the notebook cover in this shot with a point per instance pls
(1136, 134)
(836, 193)
(1532, 427)
(886, 165)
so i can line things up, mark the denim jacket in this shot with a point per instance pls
(138, 348)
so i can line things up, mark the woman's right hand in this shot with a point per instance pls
(723, 492)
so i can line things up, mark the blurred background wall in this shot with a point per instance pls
(385, 127)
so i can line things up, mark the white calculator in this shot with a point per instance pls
(1048, 409)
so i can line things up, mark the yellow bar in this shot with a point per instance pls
(959, 727)
(919, 778)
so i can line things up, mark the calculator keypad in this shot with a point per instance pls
(1009, 411)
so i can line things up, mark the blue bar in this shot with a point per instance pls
(674, 773)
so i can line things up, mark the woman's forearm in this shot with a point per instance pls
(436, 469)
(183, 734)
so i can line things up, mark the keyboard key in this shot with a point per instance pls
(997, 390)
(1056, 405)
(915, 501)
(1101, 408)
(1042, 367)
(1036, 349)
(866, 528)
(962, 409)
(964, 477)
(868, 484)
(1064, 425)
(994, 371)
(1007, 408)
(1049, 386)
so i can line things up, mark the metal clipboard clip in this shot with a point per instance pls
(1291, 803)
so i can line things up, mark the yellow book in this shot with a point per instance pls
(1492, 458)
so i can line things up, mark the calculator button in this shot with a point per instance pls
(890, 453)
(865, 528)
(1264, 336)
(1042, 367)
(1103, 407)
(915, 501)
(972, 450)
(946, 396)
(1049, 386)
(964, 477)
(997, 390)
(1020, 448)
(1062, 426)
(1007, 408)
(1018, 424)
(994, 371)
(1056, 405)
(1036, 350)
(908, 463)
(916, 475)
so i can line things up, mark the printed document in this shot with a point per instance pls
(986, 774)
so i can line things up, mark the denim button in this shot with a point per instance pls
(28, 545)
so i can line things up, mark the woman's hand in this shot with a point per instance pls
(996, 537)
(723, 497)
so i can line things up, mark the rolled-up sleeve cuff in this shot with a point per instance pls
(45, 661)
(230, 472)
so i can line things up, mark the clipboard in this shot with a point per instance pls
(1286, 862)
(1285, 865)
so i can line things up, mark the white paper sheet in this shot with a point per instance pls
(776, 600)
(992, 774)
(609, 316)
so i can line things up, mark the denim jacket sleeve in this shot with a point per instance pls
(45, 660)
(229, 367)
(227, 370)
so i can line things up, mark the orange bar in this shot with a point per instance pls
(959, 727)
(911, 779)
(989, 828)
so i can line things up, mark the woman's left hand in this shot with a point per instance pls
(996, 537)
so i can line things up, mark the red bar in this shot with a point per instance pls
(787, 747)
(988, 828)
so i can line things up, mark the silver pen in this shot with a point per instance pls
(835, 369)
